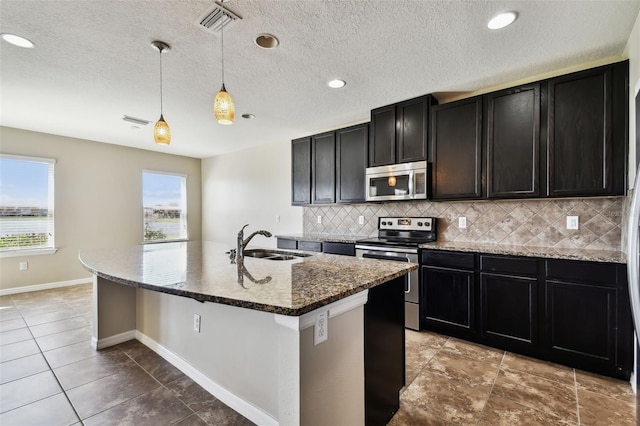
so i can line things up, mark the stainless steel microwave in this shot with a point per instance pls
(406, 181)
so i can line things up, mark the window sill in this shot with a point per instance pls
(179, 240)
(27, 252)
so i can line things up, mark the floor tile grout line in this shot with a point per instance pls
(575, 384)
(493, 383)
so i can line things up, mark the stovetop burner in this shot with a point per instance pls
(403, 231)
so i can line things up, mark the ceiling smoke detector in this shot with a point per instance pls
(214, 18)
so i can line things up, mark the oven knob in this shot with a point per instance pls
(384, 223)
(419, 223)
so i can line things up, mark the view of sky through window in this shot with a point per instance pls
(23, 183)
(161, 190)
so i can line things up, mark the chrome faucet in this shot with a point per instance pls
(242, 242)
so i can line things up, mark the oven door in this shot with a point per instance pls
(412, 283)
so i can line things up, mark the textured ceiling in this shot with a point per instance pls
(93, 62)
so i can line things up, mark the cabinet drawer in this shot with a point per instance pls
(449, 259)
(605, 273)
(509, 265)
(310, 246)
(284, 243)
(345, 249)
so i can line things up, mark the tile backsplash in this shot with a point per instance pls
(535, 223)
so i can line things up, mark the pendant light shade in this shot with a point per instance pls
(161, 131)
(223, 107)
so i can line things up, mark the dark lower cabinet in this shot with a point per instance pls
(384, 357)
(570, 312)
(588, 316)
(448, 293)
(344, 249)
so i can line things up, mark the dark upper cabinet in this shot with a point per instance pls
(456, 141)
(301, 171)
(323, 168)
(513, 142)
(399, 133)
(586, 137)
(351, 162)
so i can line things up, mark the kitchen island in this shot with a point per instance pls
(259, 347)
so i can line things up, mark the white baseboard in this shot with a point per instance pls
(46, 286)
(249, 411)
(113, 340)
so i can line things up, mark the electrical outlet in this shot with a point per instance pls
(462, 222)
(319, 219)
(277, 218)
(573, 222)
(196, 323)
(321, 329)
(24, 266)
(361, 220)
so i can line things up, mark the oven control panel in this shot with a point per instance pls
(406, 223)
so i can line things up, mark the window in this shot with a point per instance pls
(164, 200)
(26, 205)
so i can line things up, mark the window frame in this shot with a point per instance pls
(51, 241)
(184, 210)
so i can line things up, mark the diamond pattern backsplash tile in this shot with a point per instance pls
(535, 223)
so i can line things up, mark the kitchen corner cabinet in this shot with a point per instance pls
(399, 133)
(456, 141)
(301, 171)
(586, 137)
(323, 168)
(448, 293)
(351, 163)
(513, 142)
(565, 311)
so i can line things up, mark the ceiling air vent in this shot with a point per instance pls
(214, 19)
(134, 120)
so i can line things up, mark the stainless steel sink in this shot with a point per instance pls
(274, 254)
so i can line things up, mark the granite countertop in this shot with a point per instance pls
(611, 256)
(201, 270)
(330, 238)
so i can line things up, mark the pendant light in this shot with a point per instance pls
(223, 107)
(161, 131)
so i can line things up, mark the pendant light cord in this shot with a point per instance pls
(160, 50)
(222, 39)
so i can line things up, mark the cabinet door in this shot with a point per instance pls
(448, 300)
(351, 162)
(580, 146)
(513, 142)
(508, 310)
(323, 168)
(382, 137)
(412, 132)
(301, 171)
(456, 142)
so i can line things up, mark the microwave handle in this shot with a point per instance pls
(412, 183)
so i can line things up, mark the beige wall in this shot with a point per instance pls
(251, 186)
(632, 51)
(98, 200)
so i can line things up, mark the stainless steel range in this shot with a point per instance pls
(398, 240)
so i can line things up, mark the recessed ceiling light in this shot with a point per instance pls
(336, 84)
(502, 20)
(248, 116)
(16, 40)
(267, 41)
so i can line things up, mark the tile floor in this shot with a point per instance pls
(49, 375)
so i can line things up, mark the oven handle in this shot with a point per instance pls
(387, 248)
(384, 257)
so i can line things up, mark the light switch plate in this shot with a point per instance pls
(196, 322)
(462, 222)
(573, 222)
(319, 219)
(360, 220)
